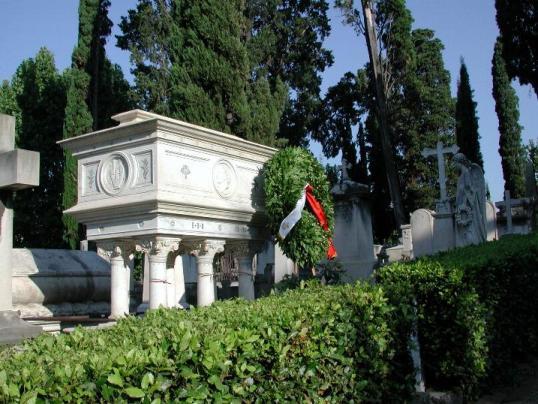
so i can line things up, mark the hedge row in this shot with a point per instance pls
(477, 310)
(476, 313)
(315, 344)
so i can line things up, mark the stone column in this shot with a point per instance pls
(119, 254)
(244, 252)
(157, 250)
(179, 283)
(205, 252)
(6, 246)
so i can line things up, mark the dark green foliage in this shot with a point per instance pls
(517, 21)
(341, 112)
(192, 64)
(8, 104)
(423, 113)
(467, 135)
(510, 146)
(286, 40)
(477, 310)
(285, 177)
(78, 120)
(39, 93)
(319, 344)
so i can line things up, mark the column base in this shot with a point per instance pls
(13, 329)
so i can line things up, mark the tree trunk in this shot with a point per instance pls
(386, 144)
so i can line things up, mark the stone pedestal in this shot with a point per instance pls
(353, 236)
(205, 252)
(443, 227)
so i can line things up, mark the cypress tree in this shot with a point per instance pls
(467, 136)
(506, 106)
(78, 118)
(40, 102)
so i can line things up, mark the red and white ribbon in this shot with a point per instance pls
(295, 215)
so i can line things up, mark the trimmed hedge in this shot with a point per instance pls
(477, 310)
(315, 344)
(477, 313)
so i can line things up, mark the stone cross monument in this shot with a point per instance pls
(440, 151)
(19, 169)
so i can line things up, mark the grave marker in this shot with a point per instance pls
(19, 169)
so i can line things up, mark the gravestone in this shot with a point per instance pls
(353, 236)
(491, 221)
(422, 232)
(515, 216)
(443, 225)
(159, 185)
(19, 169)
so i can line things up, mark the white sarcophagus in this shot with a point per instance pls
(158, 184)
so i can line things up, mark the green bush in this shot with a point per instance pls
(477, 310)
(313, 344)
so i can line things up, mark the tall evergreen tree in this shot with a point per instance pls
(78, 118)
(285, 37)
(192, 64)
(423, 113)
(518, 23)
(96, 91)
(39, 93)
(341, 113)
(467, 135)
(506, 106)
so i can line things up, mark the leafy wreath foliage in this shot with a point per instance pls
(285, 176)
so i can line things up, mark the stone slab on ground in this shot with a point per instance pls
(13, 329)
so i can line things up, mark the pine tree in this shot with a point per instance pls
(467, 136)
(506, 106)
(39, 92)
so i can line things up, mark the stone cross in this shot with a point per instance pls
(440, 151)
(19, 169)
(508, 211)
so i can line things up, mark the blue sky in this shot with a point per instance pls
(466, 27)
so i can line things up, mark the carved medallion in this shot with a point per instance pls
(114, 174)
(224, 178)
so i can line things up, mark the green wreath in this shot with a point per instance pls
(285, 177)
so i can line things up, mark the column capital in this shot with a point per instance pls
(207, 248)
(115, 248)
(244, 248)
(157, 245)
